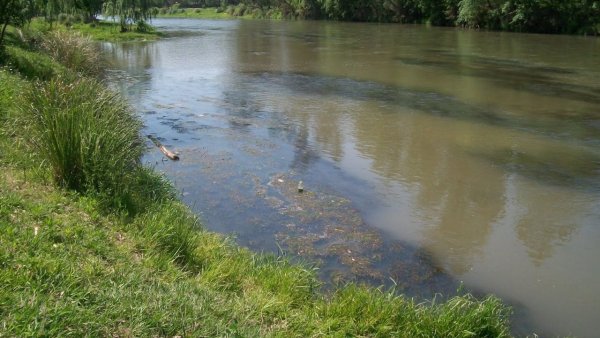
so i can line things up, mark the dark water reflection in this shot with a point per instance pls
(429, 156)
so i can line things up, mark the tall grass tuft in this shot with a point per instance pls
(74, 51)
(87, 134)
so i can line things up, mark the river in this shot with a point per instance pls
(431, 159)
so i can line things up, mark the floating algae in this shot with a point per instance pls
(327, 229)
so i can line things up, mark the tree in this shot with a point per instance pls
(128, 11)
(90, 7)
(13, 12)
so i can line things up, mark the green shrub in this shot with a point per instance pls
(230, 9)
(77, 18)
(143, 27)
(174, 9)
(88, 136)
(74, 51)
(62, 18)
(240, 10)
(258, 13)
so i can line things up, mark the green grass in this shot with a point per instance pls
(31, 64)
(198, 13)
(70, 266)
(67, 269)
(110, 31)
(98, 31)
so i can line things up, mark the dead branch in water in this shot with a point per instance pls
(171, 155)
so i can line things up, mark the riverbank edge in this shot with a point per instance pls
(70, 265)
(103, 30)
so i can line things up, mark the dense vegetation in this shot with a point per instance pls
(541, 16)
(92, 243)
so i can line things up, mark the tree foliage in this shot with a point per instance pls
(541, 16)
(129, 12)
(14, 12)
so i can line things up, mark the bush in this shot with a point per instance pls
(230, 9)
(258, 13)
(239, 10)
(88, 136)
(77, 18)
(74, 51)
(62, 18)
(174, 9)
(143, 27)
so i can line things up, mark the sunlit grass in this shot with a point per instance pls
(31, 64)
(164, 275)
(111, 31)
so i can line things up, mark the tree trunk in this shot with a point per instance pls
(2, 33)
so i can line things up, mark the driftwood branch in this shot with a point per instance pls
(169, 154)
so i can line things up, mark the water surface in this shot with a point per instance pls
(430, 157)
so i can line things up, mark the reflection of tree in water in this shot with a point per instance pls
(133, 61)
(460, 194)
(546, 222)
(327, 130)
(133, 57)
(460, 198)
(304, 154)
(556, 176)
(241, 108)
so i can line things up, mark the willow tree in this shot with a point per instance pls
(13, 12)
(128, 11)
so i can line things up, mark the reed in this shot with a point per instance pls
(87, 134)
(73, 50)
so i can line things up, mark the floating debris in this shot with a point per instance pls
(169, 154)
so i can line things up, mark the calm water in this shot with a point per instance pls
(430, 157)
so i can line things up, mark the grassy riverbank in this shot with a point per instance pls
(111, 31)
(93, 243)
(98, 31)
(196, 13)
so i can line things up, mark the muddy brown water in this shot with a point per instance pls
(430, 157)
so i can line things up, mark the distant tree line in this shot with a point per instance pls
(538, 16)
